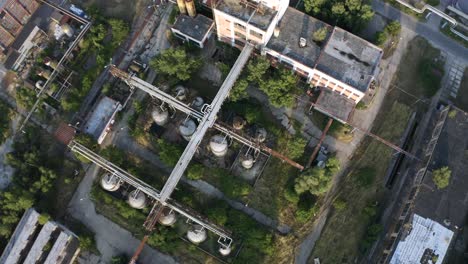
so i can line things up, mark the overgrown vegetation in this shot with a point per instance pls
(278, 84)
(317, 181)
(99, 44)
(392, 30)
(39, 168)
(441, 177)
(6, 115)
(352, 15)
(176, 63)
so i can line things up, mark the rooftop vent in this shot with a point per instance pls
(302, 42)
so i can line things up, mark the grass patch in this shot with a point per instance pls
(341, 239)
(462, 97)
(420, 71)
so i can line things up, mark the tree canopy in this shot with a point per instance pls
(441, 177)
(5, 113)
(280, 88)
(317, 181)
(175, 63)
(349, 14)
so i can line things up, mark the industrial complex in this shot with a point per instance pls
(155, 139)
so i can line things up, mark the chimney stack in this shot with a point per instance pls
(181, 5)
(190, 5)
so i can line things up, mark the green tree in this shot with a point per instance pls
(314, 6)
(218, 213)
(441, 177)
(280, 88)
(238, 91)
(393, 28)
(168, 153)
(380, 38)
(25, 97)
(257, 69)
(339, 204)
(317, 181)
(5, 114)
(320, 34)
(120, 31)
(175, 63)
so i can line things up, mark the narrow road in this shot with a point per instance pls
(426, 30)
(111, 239)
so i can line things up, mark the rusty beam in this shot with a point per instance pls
(322, 138)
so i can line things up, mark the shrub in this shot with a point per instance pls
(452, 114)
(441, 177)
(320, 34)
(380, 38)
(339, 204)
(361, 105)
(195, 172)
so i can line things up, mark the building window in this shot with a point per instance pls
(239, 26)
(256, 34)
(239, 35)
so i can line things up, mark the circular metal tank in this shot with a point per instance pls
(260, 134)
(187, 128)
(224, 250)
(44, 73)
(238, 123)
(198, 103)
(197, 234)
(39, 84)
(110, 183)
(218, 145)
(247, 161)
(160, 116)
(137, 199)
(168, 219)
(180, 92)
(68, 30)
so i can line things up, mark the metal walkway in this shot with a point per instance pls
(224, 235)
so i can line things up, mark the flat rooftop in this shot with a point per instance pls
(333, 103)
(101, 116)
(450, 203)
(195, 27)
(293, 26)
(30, 239)
(259, 17)
(350, 59)
(426, 242)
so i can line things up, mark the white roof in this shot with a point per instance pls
(425, 234)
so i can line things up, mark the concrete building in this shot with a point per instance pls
(335, 59)
(101, 118)
(193, 29)
(238, 21)
(14, 14)
(35, 243)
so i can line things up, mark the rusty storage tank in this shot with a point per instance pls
(168, 218)
(223, 250)
(180, 92)
(247, 161)
(197, 103)
(197, 234)
(238, 123)
(44, 73)
(110, 182)
(160, 116)
(218, 145)
(260, 134)
(187, 128)
(137, 199)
